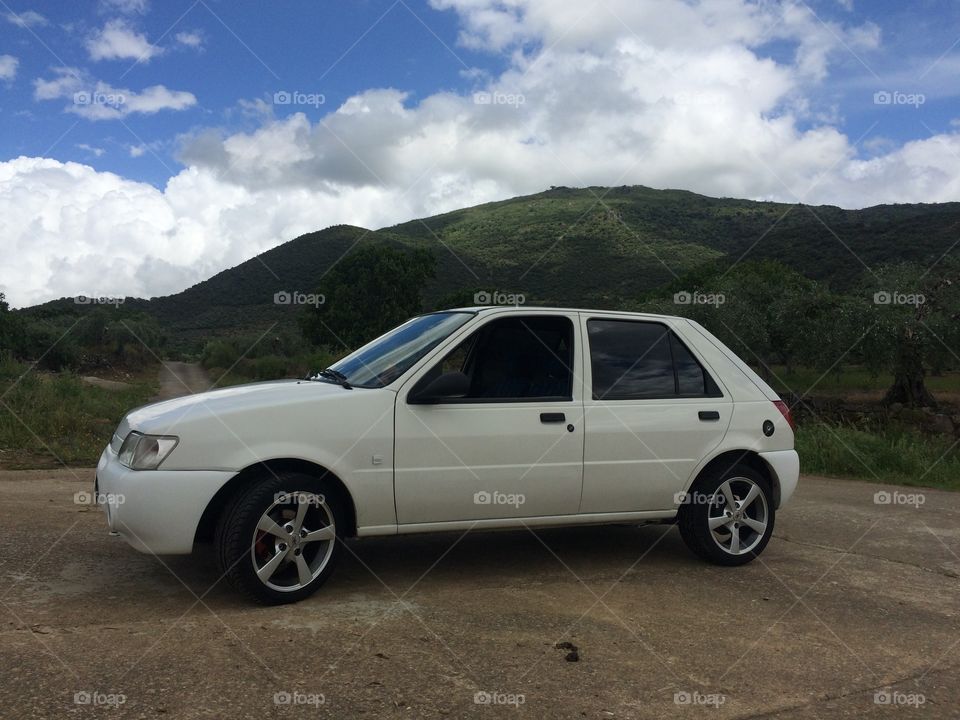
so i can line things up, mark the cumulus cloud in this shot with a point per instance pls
(26, 19)
(8, 67)
(665, 93)
(118, 41)
(97, 100)
(67, 229)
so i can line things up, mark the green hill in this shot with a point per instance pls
(592, 246)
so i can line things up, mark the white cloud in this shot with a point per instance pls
(124, 6)
(96, 100)
(118, 41)
(67, 229)
(65, 81)
(8, 67)
(95, 151)
(26, 19)
(190, 39)
(665, 94)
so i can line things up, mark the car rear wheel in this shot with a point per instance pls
(728, 517)
(279, 540)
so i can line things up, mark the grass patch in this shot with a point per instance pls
(46, 419)
(267, 367)
(892, 455)
(850, 379)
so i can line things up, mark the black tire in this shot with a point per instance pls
(706, 504)
(242, 547)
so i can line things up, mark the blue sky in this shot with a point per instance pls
(147, 144)
(250, 50)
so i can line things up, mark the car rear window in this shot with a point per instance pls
(632, 359)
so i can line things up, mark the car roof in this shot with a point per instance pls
(535, 308)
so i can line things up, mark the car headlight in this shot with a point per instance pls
(146, 452)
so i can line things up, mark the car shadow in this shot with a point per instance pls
(390, 566)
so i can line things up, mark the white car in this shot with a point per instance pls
(468, 419)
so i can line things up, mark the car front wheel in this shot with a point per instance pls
(727, 517)
(278, 541)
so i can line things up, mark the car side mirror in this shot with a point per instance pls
(448, 386)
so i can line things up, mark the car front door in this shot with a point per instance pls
(653, 411)
(511, 444)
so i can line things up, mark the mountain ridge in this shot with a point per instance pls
(632, 238)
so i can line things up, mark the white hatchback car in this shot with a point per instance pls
(476, 418)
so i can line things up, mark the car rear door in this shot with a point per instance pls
(653, 410)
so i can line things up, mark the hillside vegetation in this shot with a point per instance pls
(598, 247)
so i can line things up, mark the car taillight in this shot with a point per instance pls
(785, 411)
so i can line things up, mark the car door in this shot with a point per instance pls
(512, 445)
(652, 411)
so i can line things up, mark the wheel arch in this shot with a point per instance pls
(250, 474)
(726, 460)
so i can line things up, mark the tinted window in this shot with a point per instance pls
(691, 378)
(514, 358)
(632, 359)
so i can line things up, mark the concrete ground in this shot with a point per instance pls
(853, 603)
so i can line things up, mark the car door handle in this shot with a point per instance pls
(708, 415)
(552, 417)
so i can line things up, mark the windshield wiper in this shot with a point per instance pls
(336, 376)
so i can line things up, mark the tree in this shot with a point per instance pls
(761, 309)
(465, 297)
(911, 323)
(371, 290)
(11, 329)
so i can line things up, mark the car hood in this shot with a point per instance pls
(169, 416)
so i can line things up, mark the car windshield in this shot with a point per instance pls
(383, 360)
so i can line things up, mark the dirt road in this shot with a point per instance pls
(851, 599)
(180, 378)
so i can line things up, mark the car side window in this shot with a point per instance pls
(692, 379)
(632, 359)
(516, 358)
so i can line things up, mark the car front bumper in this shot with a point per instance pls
(155, 511)
(785, 466)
